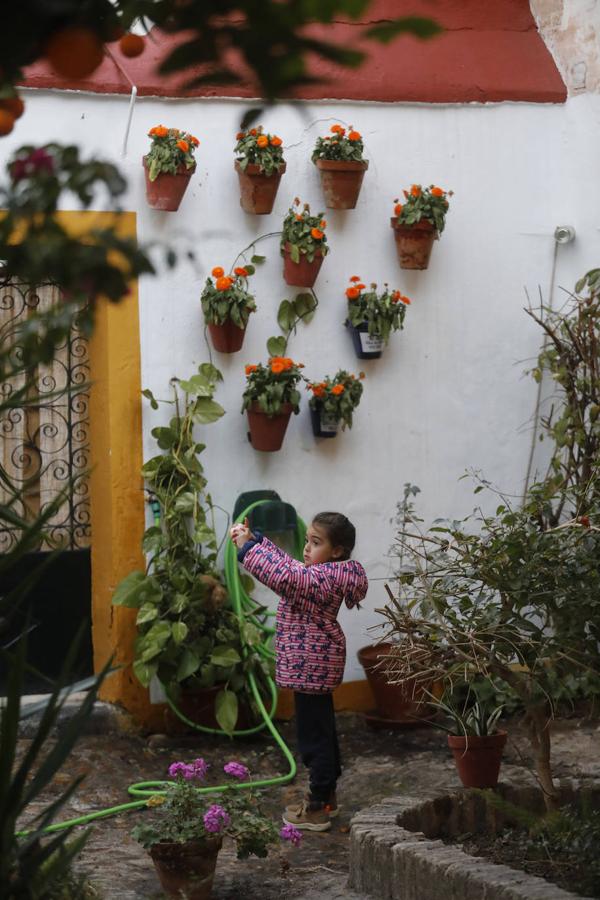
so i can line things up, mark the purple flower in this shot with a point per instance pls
(200, 768)
(215, 818)
(177, 768)
(38, 161)
(291, 834)
(236, 769)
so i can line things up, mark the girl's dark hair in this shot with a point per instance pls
(340, 530)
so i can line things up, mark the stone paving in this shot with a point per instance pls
(377, 765)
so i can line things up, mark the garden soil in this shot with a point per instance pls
(376, 764)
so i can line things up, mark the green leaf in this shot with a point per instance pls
(135, 589)
(276, 346)
(226, 710)
(147, 613)
(209, 371)
(295, 253)
(258, 260)
(185, 503)
(150, 396)
(165, 437)
(385, 32)
(197, 386)
(285, 315)
(144, 672)
(250, 269)
(250, 116)
(188, 664)
(206, 411)
(179, 630)
(225, 656)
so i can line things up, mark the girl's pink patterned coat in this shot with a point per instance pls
(310, 644)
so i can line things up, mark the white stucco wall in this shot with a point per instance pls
(449, 392)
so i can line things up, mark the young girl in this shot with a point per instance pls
(310, 644)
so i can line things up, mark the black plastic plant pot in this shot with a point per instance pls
(366, 346)
(322, 425)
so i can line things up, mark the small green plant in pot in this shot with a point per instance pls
(339, 158)
(189, 821)
(168, 166)
(333, 402)
(372, 316)
(417, 222)
(259, 163)
(227, 304)
(271, 396)
(303, 245)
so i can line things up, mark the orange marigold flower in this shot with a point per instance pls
(159, 131)
(276, 141)
(360, 286)
(415, 190)
(354, 136)
(217, 271)
(193, 140)
(337, 129)
(355, 278)
(298, 217)
(262, 140)
(323, 223)
(183, 146)
(240, 135)
(253, 132)
(396, 296)
(316, 233)
(277, 367)
(223, 283)
(240, 270)
(437, 192)
(250, 369)
(398, 209)
(352, 293)
(338, 389)
(405, 300)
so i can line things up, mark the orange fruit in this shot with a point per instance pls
(7, 122)
(74, 51)
(14, 105)
(132, 44)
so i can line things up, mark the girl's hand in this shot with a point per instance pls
(241, 534)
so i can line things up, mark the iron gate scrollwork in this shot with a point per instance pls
(45, 439)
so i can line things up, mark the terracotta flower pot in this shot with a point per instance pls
(303, 273)
(341, 181)
(257, 190)
(322, 425)
(187, 869)
(366, 346)
(267, 432)
(478, 758)
(414, 243)
(226, 338)
(397, 702)
(166, 191)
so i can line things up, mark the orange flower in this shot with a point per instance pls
(253, 132)
(217, 271)
(337, 129)
(437, 192)
(299, 217)
(183, 146)
(276, 141)
(354, 136)
(352, 293)
(240, 135)
(323, 223)
(250, 369)
(355, 278)
(396, 296)
(405, 300)
(262, 140)
(240, 270)
(360, 286)
(398, 209)
(158, 131)
(316, 233)
(361, 375)
(338, 389)
(415, 190)
(223, 283)
(277, 367)
(193, 140)
(318, 390)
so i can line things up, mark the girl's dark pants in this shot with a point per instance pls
(318, 743)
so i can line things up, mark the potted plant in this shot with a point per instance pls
(227, 305)
(270, 397)
(188, 825)
(417, 222)
(339, 159)
(373, 316)
(303, 245)
(333, 402)
(259, 163)
(168, 166)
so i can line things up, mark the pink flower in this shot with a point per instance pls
(216, 818)
(177, 768)
(291, 834)
(236, 769)
(37, 161)
(200, 768)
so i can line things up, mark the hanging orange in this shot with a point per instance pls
(7, 122)
(74, 51)
(14, 105)
(132, 45)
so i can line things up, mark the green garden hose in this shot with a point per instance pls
(246, 610)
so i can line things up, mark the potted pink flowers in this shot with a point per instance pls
(227, 304)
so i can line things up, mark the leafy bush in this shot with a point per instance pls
(382, 313)
(264, 150)
(273, 385)
(227, 298)
(171, 149)
(304, 234)
(428, 204)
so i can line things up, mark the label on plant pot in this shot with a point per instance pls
(328, 422)
(370, 343)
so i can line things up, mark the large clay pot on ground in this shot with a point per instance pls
(187, 869)
(257, 190)
(302, 273)
(478, 758)
(267, 432)
(366, 346)
(341, 181)
(226, 338)
(166, 191)
(414, 243)
(400, 703)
